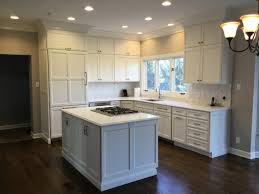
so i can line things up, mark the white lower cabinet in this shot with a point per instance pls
(78, 140)
(179, 128)
(56, 122)
(113, 155)
(127, 104)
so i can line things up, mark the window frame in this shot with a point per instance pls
(171, 92)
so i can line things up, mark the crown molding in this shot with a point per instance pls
(18, 26)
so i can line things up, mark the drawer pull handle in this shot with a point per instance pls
(86, 130)
(197, 144)
(179, 118)
(197, 124)
(197, 115)
(198, 134)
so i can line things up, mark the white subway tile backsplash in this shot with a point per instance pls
(103, 90)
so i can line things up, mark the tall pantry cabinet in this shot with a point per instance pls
(63, 77)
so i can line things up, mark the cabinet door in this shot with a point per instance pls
(179, 129)
(58, 66)
(192, 65)
(92, 67)
(56, 123)
(133, 69)
(77, 66)
(121, 47)
(193, 36)
(59, 92)
(65, 134)
(212, 33)
(120, 68)
(165, 129)
(106, 46)
(106, 67)
(211, 64)
(66, 41)
(93, 155)
(133, 48)
(92, 45)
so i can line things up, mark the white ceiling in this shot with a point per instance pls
(109, 15)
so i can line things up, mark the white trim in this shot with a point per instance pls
(45, 138)
(241, 153)
(15, 126)
(36, 135)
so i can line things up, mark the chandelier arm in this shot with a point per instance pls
(238, 51)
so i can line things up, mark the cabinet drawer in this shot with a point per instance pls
(197, 144)
(162, 108)
(127, 104)
(179, 111)
(144, 105)
(204, 125)
(198, 115)
(197, 134)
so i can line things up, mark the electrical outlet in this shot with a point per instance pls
(237, 140)
(37, 84)
(238, 86)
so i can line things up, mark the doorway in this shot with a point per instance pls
(15, 102)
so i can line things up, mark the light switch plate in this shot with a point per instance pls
(237, 140)
(238, 86)
(37, 84)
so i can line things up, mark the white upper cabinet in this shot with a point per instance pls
(100, 45)
(126, 47)
(68, 77)
(193, 36)
(127, 69)
(66, 41)
(106, 67)
(100, 67)
(203, 34)
(206, 58)
(211, 63)
(192, 65)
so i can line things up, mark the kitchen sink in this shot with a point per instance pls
(153, 100)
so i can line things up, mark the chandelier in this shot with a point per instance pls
(250, 30)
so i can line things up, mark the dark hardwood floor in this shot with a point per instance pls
(33, 167)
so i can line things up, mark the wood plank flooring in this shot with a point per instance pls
(33, 167)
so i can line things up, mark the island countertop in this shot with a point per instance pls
(86, 113)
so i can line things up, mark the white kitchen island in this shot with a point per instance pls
(110, 150)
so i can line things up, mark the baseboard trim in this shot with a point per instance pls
(243, 154)
(36, 135)
(15, 126)
(45, 138)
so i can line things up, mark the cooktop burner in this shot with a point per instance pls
(113, 111)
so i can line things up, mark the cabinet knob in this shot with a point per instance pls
(86, 130)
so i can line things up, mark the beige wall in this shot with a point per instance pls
(25, 43)
(163, 45)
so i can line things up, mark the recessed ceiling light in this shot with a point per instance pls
(71, 18)
(140, 33)
(89, 8)
(14, 17)
(170, 24)
(166, 3)
(124, 26)
(148, 18)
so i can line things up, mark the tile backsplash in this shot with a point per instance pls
(107, 90)
(202, 93)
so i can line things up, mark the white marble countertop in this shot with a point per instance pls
(165, 102)
(101, 120)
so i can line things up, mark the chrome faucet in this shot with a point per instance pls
(159, 93)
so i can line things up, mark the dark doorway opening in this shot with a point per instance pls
(15, 102)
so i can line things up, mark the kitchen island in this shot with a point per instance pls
(110, 150)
